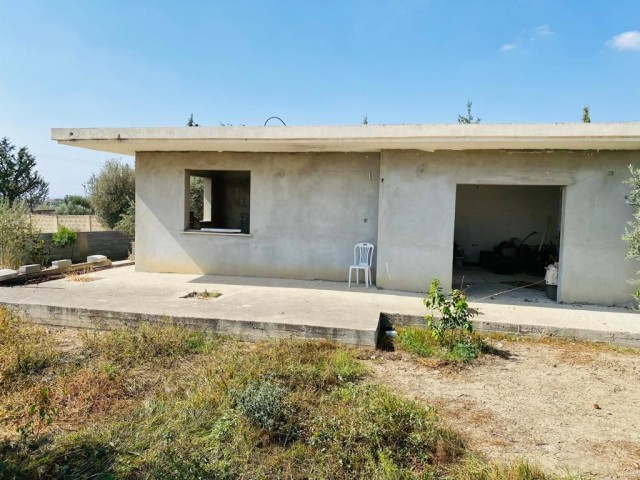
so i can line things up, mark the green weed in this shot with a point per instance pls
(420, 342)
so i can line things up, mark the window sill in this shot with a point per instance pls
(216, 234)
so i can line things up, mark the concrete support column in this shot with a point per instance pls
(208, 192)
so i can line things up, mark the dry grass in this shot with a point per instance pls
(25, 349)
(567, 344)
(79, 275)
(159, 401)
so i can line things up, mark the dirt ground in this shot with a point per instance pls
(558, 405)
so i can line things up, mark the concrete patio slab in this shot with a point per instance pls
(274, 308)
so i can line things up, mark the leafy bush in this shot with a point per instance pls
(265, 403)
(127, 222)
(19, 241)
(455, 315)
(466, 350)
(417, 341)
(420, 342)
(64, 237)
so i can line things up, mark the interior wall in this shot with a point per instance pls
(489, 214)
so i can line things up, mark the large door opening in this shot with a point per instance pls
(505, 236)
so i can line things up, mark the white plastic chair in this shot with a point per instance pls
(362, 258)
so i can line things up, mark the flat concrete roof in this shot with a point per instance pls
(356, 138)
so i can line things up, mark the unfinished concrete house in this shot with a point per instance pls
(290, 202)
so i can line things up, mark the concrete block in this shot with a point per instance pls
(61, 264)
(96, 258)
(26, 269)
(7, 274)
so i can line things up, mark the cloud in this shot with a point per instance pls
(626, 41)
(543, 31)
(527, 38)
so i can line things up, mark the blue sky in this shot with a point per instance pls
(136, 63)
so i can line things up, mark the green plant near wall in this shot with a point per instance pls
(632, 231)
(64, 238)
(127, 223)
(453, 311)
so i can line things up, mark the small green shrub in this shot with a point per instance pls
(64, 237)
(265, 404)
(454, 311)
(420, 341)
(417, 341)
(127, 222)
(465, 351)
(40, 414)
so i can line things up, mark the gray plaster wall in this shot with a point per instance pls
(417, 214)
(307, 212)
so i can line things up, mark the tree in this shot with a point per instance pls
(586, 117)
(75, 205)
(468, 118)
(112, 191)
(19, 181)
(191, 123)
(365, 120)
(18, 240)
(196, 198)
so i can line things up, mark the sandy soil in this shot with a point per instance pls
(560, 406)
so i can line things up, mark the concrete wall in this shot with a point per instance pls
(115, 245)
(79, 223)
(307, 212)
(417, 213)
(308, 209)
(489, 214)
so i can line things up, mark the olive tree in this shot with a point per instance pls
(75, 205)
(19, 241)
(112, 191)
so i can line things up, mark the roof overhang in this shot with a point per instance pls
(356, 138)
